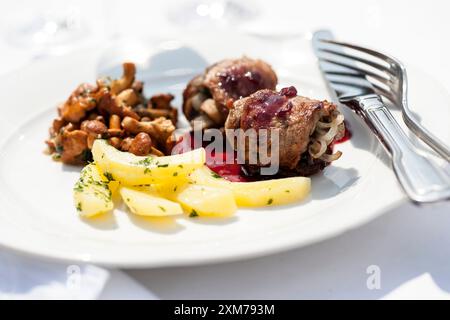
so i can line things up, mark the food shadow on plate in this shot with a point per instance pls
(212, 220)
(361, 136)
(333, 181)
(163, 225)
(169, 67)
(102, 222)
(71, 168)
(325, 185)
(276, 207)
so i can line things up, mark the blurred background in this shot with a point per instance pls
(413, 30)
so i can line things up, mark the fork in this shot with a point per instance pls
(360, 79)
(391, 82)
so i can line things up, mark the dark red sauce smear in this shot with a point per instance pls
(216, 161)
(240, 82)
(347, 135)
(235, 172)
(263, 107)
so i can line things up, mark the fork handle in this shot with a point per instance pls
(422, 179)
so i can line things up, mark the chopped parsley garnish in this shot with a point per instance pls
(287, 191)
(109, 176)
(180, 166)
(100, 189)
(193, 214)
(78, 187)
(270, 201)
(147, 170)
(162, 208)
(175, 174)
(146, 162)
(215, 175)
(163, 165)
(79, 206)
(175, 188)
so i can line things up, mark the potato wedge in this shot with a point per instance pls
(259, 193)
(132, 170)
(170, 188)
(206, 201)
(148, 203)
(91, 193)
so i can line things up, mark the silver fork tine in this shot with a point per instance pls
(351, 79)
(358, 69)
(396, 83)
(359, 59)
(362, 49)
(385, 93)
(346, 71)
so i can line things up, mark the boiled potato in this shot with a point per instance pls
(259, 193)
(170, 188)
(92, 195)
(132, 170)
(145, 202)
(206, 201)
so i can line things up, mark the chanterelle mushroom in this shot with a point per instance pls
(79, 103)
(115, 110)
(74, 145)
(159, 129)
(129, 71)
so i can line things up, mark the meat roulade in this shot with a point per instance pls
(306, 128)
(209, 96)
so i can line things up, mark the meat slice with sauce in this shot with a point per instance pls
(208, 97)
(306, 128)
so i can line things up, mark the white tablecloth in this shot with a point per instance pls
(408, 248)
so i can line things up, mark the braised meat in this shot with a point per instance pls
(208, 97)
(306, 128)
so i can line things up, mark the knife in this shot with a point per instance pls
(421, 179)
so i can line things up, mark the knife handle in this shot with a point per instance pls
(422, 179)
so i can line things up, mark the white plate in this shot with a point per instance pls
(37, 215)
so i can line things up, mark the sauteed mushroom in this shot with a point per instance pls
(115, 110)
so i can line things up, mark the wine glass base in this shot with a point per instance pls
(198, 14)
(48, 34)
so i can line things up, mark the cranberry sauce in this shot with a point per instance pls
(262, 107)
(347, 134)
(216, 161)
(223, 163)
(239, 82)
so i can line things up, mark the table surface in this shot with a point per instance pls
(409, 246)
